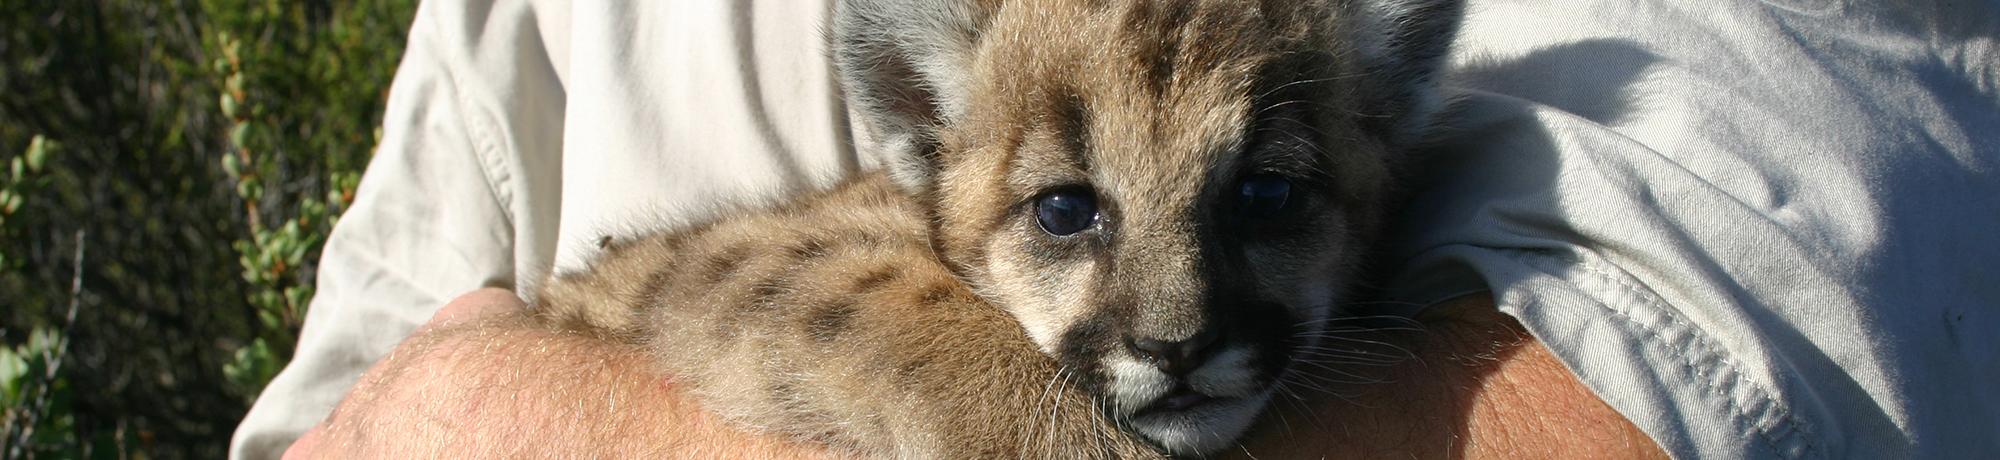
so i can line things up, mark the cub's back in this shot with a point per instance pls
(831, 319)
(761, 257)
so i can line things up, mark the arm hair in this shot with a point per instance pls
(499, 387)
(1478, 386)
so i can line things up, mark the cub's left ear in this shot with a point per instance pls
(1402, 45)
(904, 65)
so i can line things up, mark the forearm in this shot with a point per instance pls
(481, 381)
(1476, 386)
(500, 387)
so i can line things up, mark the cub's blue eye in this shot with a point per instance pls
(1066, 212)
(1264, 196)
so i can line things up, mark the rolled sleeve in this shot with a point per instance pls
(461, 194)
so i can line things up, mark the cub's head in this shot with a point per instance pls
(1167, 194)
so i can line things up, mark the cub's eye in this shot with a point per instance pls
(1066, 212)
(1264, 195)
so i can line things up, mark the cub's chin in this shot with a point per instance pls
(1200, 425)
(1192, 412)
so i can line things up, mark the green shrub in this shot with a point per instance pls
(207, 148)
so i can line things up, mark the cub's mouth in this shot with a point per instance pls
(1180, 400)
(1191, 409)
(1192, 393)
(1204, 425)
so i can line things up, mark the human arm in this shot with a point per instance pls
(479, 381)
(487, 384)
(1476, 385)
(455, 197)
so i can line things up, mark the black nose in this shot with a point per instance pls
(1176, 358)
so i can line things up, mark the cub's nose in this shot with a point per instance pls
(1176, 358)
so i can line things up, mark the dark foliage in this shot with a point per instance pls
(193, 264)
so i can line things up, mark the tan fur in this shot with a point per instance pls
(1167, 88)
(758, 313)
(925, 313)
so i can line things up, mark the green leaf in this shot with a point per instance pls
(13, 376)
(264, 261)
(297, 255)
(251, 189)
(294, 296)
(229, 107)
(252, 366)
(267, 314)
(239, 135)
(43, 338)
(39, 150)
(232, 165)
(10, 203)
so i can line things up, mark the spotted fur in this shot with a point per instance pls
(923, 312)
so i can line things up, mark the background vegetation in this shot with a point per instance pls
(168, 170)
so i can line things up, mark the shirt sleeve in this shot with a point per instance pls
(461, 194)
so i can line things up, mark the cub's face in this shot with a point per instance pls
(1168, 195)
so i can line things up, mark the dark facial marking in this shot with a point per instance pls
(1084, 343)
(1072, 128)
(1151, 26)
(1266, 326)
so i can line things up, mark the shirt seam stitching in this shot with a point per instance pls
(479, 128)
(1775, 426)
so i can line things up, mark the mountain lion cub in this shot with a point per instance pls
(1107, 228)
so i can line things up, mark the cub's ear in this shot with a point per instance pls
(904, 66)
(1402, 45)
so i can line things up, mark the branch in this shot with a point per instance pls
(52, 360)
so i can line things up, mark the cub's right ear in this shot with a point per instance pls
(1402, 45)
(903, 66)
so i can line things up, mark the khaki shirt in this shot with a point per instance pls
(1756, 229)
